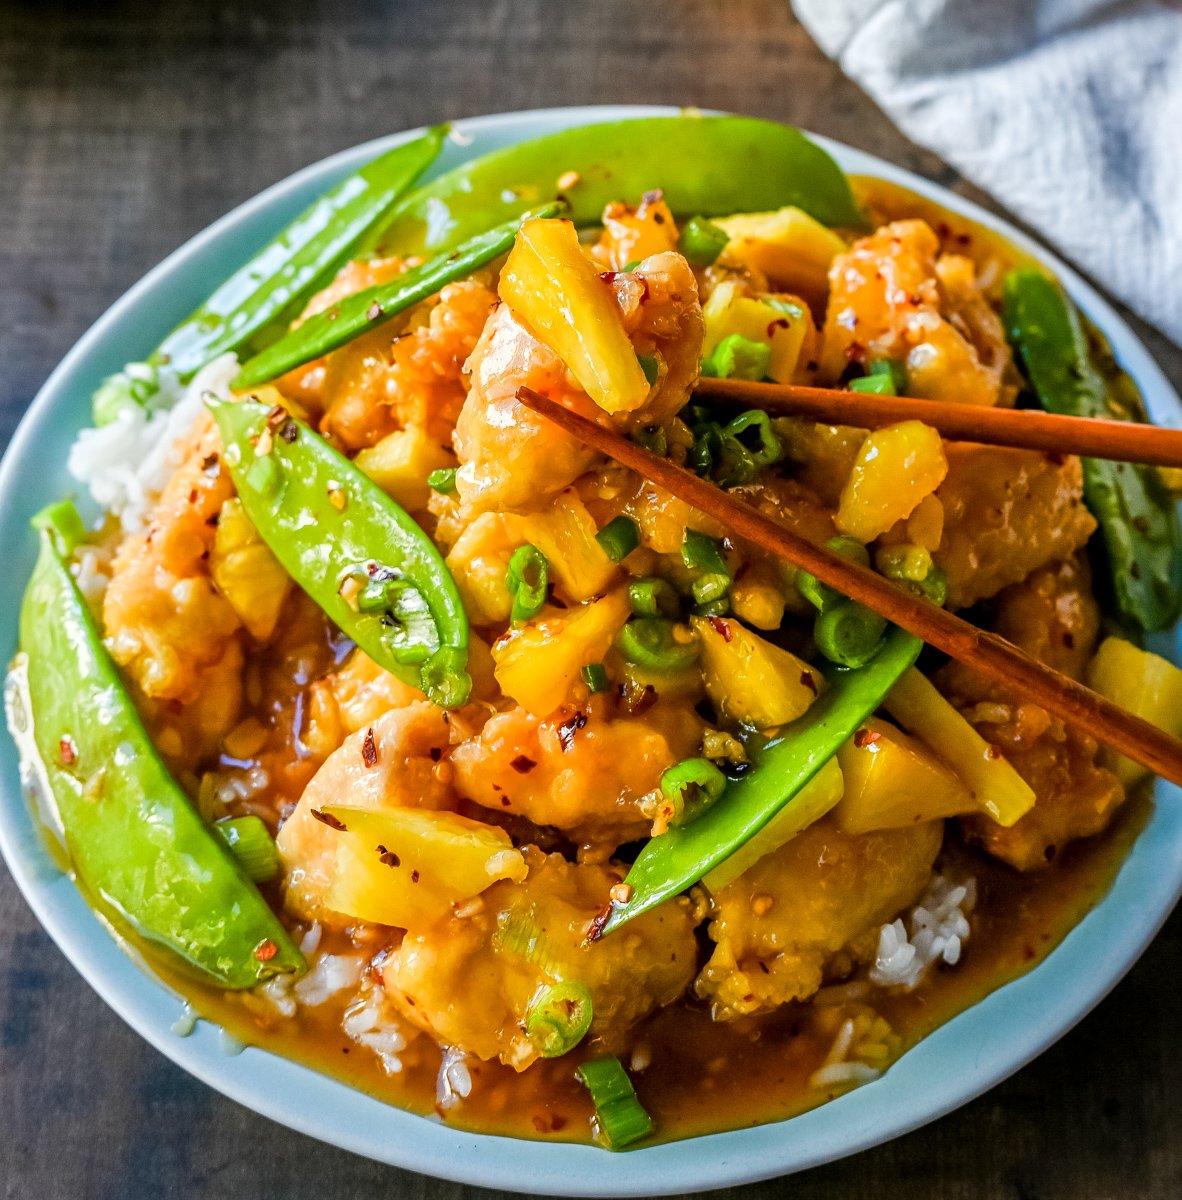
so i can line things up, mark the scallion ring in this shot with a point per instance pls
(619, 537)
(558, 1018)
(648, 642)
(620, 1117)
(691, 786)
(849, 634)
(653, 598)
(526, 579)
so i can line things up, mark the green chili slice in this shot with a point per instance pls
(648, 642)
(252, 845)
(558, 1018)
(125, 821)
(527, 578)
(619, 1115)
(1138, 520)
(712, 166)
(673, 861)
(738, 357)
(691, 786)
(276, 283)
(336, 532)
(702, 241)
(367, 309)
(619, 537)
(768, 448)
(849, 634)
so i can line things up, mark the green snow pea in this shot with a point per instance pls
(363, 311)
(672, 861)
(282, 276)
(706, 166)
(1138, 520)
(359, 556)
(136, 842)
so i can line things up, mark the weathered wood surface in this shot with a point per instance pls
(124, 129)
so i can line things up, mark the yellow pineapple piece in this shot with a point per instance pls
(246, 572)
(792, 249)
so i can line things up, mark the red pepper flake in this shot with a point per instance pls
(722, 628)
(779, 323)
(329, 820)
(289, 431)
(374, 311)
(435, 753)
(414, 876)
(523, 764)
(568, 729)
(266, 950)
(193, 494)
(806, 678)
(369, 749)
(992, 751)
(388, 858)
(209, 464)
(639, 705)
(601, 918)
(67, 750)
(1069, 639)
(866, 737)
(609, 276)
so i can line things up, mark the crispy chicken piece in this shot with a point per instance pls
(468, 981)
(1054, 616)
(814, 904)
(894, 296)
(585, 779)
(510, 458)
(166, 624)
(1006, 513)
(409, 742)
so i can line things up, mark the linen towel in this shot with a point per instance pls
(1068, 111)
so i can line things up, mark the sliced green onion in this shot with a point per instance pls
(619, 1116)
(702, 241)
(595, 677)
(737, 357)
(769, 449)
(132, 387)
(849, 634)
(713, 608)
(651, 367)
(517, 934)
(251, 844)
(874, 385)
(619, 537)
(526, 579)
(820, 595)
(653, 598)
(558, 1018)
(443, 480)
(691, 786)
(631, 266)
(648, 642)
(653, 438)
(710, 587)
(701, 552)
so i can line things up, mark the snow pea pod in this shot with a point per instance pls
(359, 556)
(365, 310)
(706, 166)
(281, 277)
(136, 842)
(1138, 520)
(673, 861)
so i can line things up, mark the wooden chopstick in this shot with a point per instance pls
(985, 652)
(1092, 437)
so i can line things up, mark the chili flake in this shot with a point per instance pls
(369, 749)
(329, 820)
(266, 950)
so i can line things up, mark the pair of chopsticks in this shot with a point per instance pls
(985, 652)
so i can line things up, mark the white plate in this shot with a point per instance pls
(960, 1060)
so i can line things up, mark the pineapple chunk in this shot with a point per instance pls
(246, 572)
(538, 664)
(994, 785)
(564, 533)
(750, 680)
(810, 804)
(1145, 684)
(788, 246)
(409, 867)
(631, 235)
(896, 468)
(728, 312)
(400, 463)
(758, 600)
(893, 781)
(554, 288)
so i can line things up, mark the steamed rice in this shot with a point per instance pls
(935, 930)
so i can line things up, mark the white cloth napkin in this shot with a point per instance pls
(1068, 111)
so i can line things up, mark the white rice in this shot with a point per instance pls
(126, 463)
(935, 930)
(368, 1023)
(454, 1082)
(329, 975)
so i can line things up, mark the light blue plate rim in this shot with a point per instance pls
(956, 1063)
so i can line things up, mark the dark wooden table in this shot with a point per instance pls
(124, 129)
